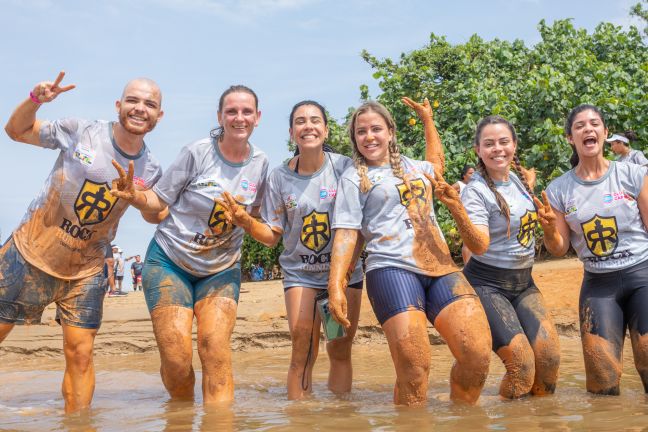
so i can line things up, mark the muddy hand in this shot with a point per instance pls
(423, 110)
(443, 191)
(123, 187)
(47, 91)
(546, 215)
(338, 307)
(234, 213)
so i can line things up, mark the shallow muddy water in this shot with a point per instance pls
(129, 396)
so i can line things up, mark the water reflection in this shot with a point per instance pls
(130, 396)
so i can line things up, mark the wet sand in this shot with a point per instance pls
(261, 322)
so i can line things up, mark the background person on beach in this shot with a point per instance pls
(120, 264)
(57, 252)
(600, 207)
(499, 204)
(466, 174)
(411, 277)
(136, 272)
(620, 145)
(298, 206)
(192, 264)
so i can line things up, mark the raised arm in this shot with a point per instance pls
(433, 147)
(556, 230)
(474, 237)
(23, 125)
(236, 214)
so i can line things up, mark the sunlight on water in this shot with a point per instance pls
(129, 396)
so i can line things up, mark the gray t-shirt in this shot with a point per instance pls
(195, 235)
(385, 216)
(635, 157)
(72, 221)
(516, 251)
(606, 228)
(302, 208)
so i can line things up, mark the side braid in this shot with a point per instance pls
(520, 172)
(395, 158)
(499, 199)
(361, 166)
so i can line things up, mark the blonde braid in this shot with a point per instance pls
(499, 199)
(361, 166)
(395, 158)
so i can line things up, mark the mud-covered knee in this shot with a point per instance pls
(339, 349)
(413, 356)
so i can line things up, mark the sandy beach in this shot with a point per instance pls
(261, 322)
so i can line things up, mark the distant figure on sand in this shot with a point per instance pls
(57, 253)
(192, 266)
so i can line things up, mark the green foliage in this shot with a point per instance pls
(254, 252)
(641, 13)
(533, 87)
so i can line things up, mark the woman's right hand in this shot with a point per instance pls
(234, 213)
(338, 307)
(546, 215)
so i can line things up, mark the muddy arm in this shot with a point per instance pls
(345, 248)
(433, 147)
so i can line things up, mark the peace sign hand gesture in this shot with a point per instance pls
(123, 187)
(234, 213)
(546, 215)
(47, 91)
(423, 110)
(444, 192)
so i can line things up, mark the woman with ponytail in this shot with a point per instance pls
(499, 203)
(411, 277)
(620, 144)
(600, 207)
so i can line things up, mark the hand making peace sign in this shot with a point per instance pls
(47, 91)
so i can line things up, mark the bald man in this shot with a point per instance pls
(56, 254)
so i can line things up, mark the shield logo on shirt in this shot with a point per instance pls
(417, 191)
(217, 222)
(528, 224)
(94, 203)
(316, 231)
(601, 235)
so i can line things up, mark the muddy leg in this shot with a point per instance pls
(339, 350)
(409, 345)
(542, 335)
(520, 367)
(464, 326)
(602, 336)
(216, 317)
(5, 329)
(79, 377)
(172, 329)
(304, 325)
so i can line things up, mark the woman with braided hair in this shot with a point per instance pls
(500, 204)
(411, 277)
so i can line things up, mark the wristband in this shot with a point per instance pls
(34, 98)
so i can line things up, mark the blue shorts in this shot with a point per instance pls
(25, 291)
(393, 290)
(166, 284)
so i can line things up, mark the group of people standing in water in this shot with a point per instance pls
(327, 208)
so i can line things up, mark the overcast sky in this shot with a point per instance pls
(286, 50)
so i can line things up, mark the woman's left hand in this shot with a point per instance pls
(423, 110)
